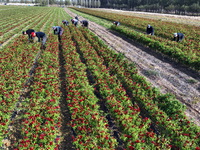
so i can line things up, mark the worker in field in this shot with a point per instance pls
(28, 32)
(65, 22)
(178, 37)
(116, 23)
(77, 18)
(84, 23)
(74, 21)
(41, 37)
(58, 31)
(150, 30)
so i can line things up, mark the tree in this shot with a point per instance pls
(89, 3)
(194, 8)
(74, 2)
(170, 8)
(98, 3)
(51, 2)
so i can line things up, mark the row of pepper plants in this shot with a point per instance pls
(87, 121)
(33, 18)
(171, 123)
(164, 110)
(18, 60)
(186, 52)
(133, 128)
(76, 85)
(10, 10)
(41, 120)
(7, 21)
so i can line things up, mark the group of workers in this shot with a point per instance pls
(75, 22)
(59, 31)
(177, 36)
(150, 31)
(32, 34)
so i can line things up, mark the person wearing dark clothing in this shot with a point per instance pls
(58, 31)
(116, 23)
(76, 17)
(29, 31)
(178, 37)
(150, 30)
(41, 37)
(84, 23)
(65, 22)
(74, 22)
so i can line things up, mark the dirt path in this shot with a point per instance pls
(168, 76)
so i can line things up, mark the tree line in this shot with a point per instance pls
(160, 6)
(183, 7)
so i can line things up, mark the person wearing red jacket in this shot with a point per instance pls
(41, 37)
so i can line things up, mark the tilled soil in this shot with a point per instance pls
(161, 71)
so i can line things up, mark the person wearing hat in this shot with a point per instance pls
(178, 37)
(150, 30)
(58, 31)
(41, 37)
(84, 23)
(74, 22)
(65, 22)
(116, 23)
(29, 31)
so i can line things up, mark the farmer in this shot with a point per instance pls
(65, 22)
(116, 23)
(150, 30)
(76, 17)
(58, 31)
(178, 37)
(84, 23)
(74, 22)
(41, 37)
(29, 31)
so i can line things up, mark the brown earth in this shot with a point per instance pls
(159, 70)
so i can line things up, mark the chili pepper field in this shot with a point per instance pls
(78, 93)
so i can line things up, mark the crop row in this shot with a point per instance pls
(153, 104)
(18, 61)
(34, 19)
(86, 96)
(162, 29)
(40, 119)
(186, 52)
(167, 103)
(113, 96)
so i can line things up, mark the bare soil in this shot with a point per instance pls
(159, 70)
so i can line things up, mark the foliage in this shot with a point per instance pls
(186, 52)
(86, 92)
